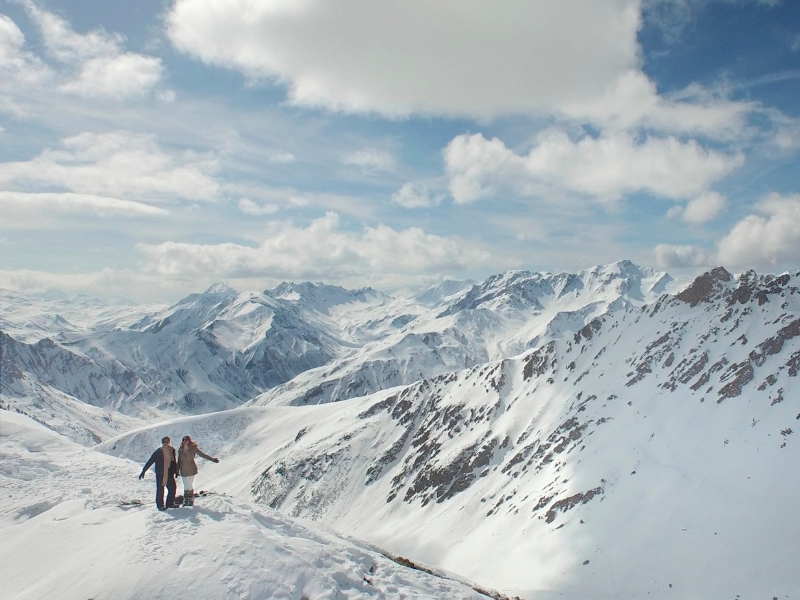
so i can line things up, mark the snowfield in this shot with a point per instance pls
(587, 436)
(66, 535)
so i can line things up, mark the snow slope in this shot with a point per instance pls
(66, 535)
(650, 453)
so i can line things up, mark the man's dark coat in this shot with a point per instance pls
(157, 459)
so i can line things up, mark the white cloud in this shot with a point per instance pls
(320, 251)
(767, 239)
(786, 135)
(120, 76)
(101, 66)
(63, 44)
(699, 209)
(119, 164)
(678, 257)
(632, 100)
(76, 203)
(578, 58)
(606, 167)
(415, 195)
(249, 207)
(371, 160)
(16, 64)
(449, 57)
(9, 106)
(704, 207)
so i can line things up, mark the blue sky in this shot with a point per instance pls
(149, 149)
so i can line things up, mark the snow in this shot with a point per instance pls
(65, 534)
(453, 326)
(295, 344)
(30, 319)
(597, 447)
(565, 436)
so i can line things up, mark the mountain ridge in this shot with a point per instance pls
(581, 455)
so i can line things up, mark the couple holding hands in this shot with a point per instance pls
(168, 466)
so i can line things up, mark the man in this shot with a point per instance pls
(166, 471)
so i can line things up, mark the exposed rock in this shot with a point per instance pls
(742, 373)
(703, 287)
(567, 503)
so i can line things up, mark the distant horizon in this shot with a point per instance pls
(677, 283)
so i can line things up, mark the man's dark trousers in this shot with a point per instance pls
(172, 487)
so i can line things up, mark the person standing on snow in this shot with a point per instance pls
(166, 471)
(187, 467)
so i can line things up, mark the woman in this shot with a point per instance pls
(187, 468)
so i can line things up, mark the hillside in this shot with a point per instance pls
(650, 453)
(72, 528)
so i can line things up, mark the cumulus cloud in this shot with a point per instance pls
(321, 250)
(678, 257)
(249, 207)
(416, 195)
(605, 167)
(449, 57)
(704, 207)
(119, 164)
(101, 66)
(700, 209)
(371, 160)
(767, 239)
(579, 58)
(76, 203)
(120, 76)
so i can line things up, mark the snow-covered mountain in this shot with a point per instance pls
(207, 352)
(72, 528)
(504, 316)
(78, 364)
(648, 453)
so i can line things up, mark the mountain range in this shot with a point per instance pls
(588, 435)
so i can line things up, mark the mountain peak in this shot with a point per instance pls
(319, 296)
(220, 288)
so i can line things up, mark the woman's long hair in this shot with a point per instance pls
(186, 438)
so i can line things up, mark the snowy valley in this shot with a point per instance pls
(575, 436)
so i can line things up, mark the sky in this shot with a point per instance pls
(151, 148)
